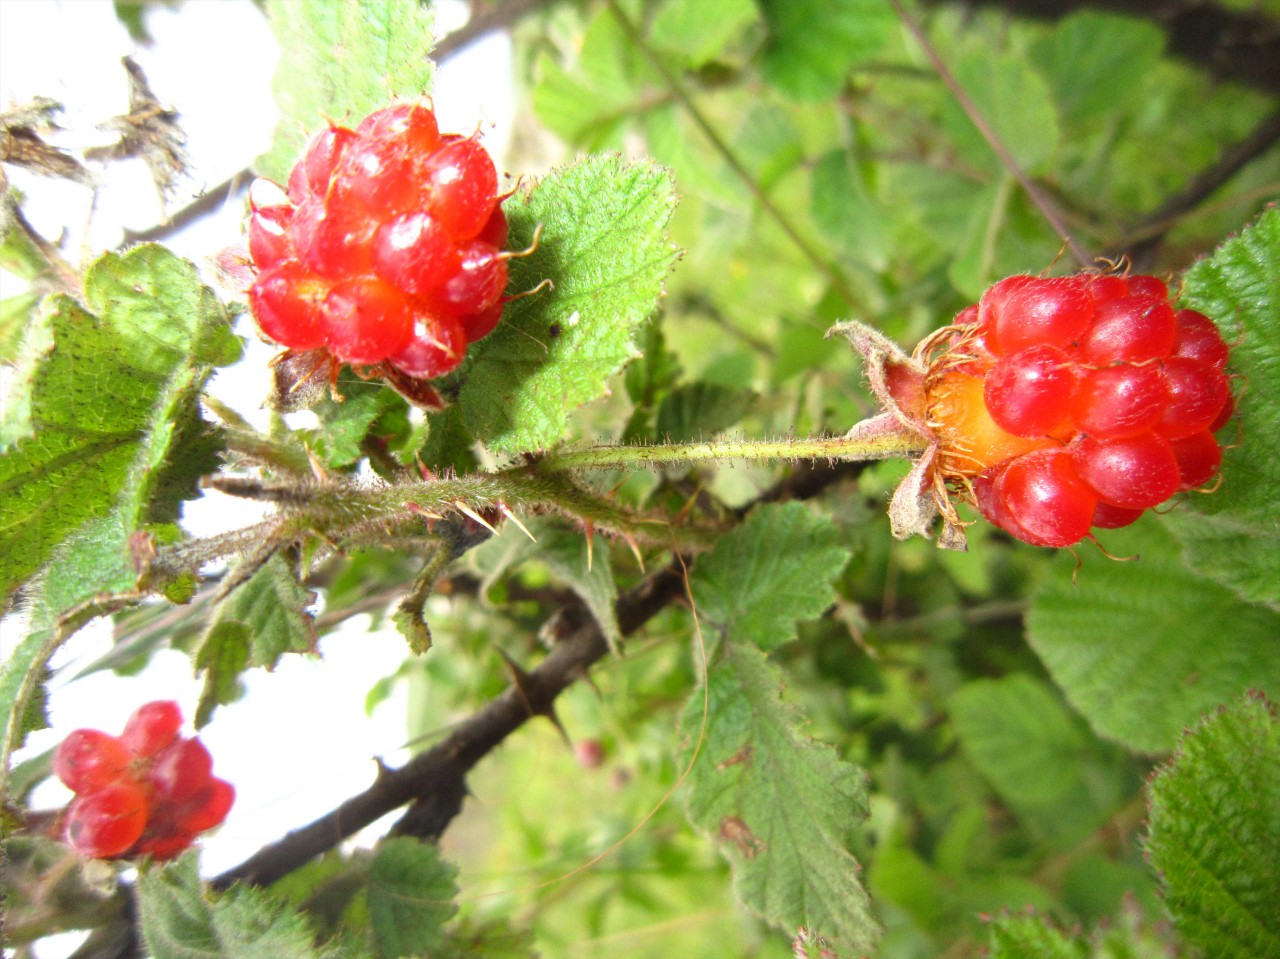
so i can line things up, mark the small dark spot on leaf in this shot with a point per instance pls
(734, 830)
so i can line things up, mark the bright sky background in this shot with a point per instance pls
(299, 742)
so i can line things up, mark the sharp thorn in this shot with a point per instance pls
(591, 543)
(506, 511)
(635, 549)
(467, 511)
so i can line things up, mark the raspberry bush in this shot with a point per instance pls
(554, 404)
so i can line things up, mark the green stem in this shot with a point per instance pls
(846, 448)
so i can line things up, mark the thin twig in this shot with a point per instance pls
(1037, 196)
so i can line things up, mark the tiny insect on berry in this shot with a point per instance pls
(385, 250)
(148, 791)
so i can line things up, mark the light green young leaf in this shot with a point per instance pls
(1094, 60)
(1215, 830)
(774, 569)
(1142, 648)
(1037, 756)
(589, 105)
(604, 246)
(342, 60)
(1127, 936)
(181, 920)
(781, 807)
(255, 625)
(700, 410)
(411, 893)
(488, 939)
(844, 210)
(813, 44)
(564, 553)
(1033, 937)
(1016, 103)
(1233, 535)
(701, 31)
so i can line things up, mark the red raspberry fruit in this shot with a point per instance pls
(386, 250)
(1069, 403)
(148, 792)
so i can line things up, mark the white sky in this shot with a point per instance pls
(299, 742)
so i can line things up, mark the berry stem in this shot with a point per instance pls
(875, 439)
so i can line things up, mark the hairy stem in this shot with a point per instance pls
(847, 448)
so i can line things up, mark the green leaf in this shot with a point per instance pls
(564, 553)
(1095, 60)
(781, 807)
(1142, 648)
(1015, 102)
(262, 619)
(700, 410)
(49, 888)
(488, 939)
(844, 210)
(1233, 535)
(1037, 756)
(813, 44)
(106, 397)
(1032, 937)
(181, 920)
(1215, 830)
(604, 246)
(700, 31)
(343, 60)
(411, 892)
(774, 569)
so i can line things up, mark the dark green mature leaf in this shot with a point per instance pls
(1037, 755)
(564, 553)
(813, 44)
(1142, 648)
(1233, 536)
(1095, 60)
(774, 569)
(260, 621)
(411, 892)
(181, 920)
(1215, 830)
(343, 61)
(700, 410)
(782, 808)
(604, 246)
(105, 396)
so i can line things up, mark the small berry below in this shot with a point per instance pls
(386, 248)
(1074, 403)
(146, 792)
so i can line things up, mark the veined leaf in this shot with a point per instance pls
(774, 569)
(261, 620)
(1142, 648)
(781, 807)
(180, 920)
(342, 60)
(813, 44)
(411, 892)
(92, 455)
(1215, 830)
(564, 553)
(604, 246)
(1233, 535)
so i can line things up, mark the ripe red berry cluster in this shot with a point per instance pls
(147, 791)
(387, 247)
(1078, 402)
